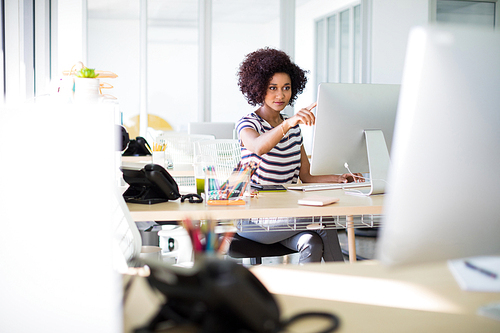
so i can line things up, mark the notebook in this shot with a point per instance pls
(317, 201)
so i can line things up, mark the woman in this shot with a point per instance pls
(270, 80)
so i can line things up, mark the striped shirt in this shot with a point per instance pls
(282, 163)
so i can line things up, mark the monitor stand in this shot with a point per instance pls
(378, 163)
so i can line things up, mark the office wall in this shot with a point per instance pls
(231, 42)
(305, 49)
(173, 66)
(71, 34)
(114, 45)
(391, 23)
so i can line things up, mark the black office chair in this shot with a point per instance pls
(242, 247)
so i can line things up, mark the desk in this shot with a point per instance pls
(269, 204)
(367, 297)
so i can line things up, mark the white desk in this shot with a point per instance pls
(366, 296)
(269, 204)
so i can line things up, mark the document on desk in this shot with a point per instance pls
(477, 273)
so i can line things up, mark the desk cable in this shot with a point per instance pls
(333, 319)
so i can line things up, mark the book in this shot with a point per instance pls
(317, 201)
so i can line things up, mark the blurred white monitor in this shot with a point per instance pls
(221, 130)
(350, 117)
(442, 197)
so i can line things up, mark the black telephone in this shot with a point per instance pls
(149, 185)
(218, 296)
(138, 147)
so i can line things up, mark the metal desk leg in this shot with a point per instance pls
(351, 241)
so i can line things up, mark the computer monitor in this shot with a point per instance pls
(349, 118)
(221, 130)
(443, 188)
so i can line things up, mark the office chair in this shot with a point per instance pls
(242, 247)
(225, 154)
(180, 149)
(180, 153)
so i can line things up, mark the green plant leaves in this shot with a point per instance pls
(86, 72)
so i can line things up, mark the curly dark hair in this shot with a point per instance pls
(258, 68)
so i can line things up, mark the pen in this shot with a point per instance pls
(481, 270)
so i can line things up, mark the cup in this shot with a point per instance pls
(232, 190)
(201, 162)
(159, 158)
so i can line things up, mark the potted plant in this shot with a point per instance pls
(86, 85)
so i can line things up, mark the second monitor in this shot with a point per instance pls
(354, 125)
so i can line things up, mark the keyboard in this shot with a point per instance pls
(330, 186)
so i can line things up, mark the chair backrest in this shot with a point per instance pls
(225, 154)
(221, 130)
(180, 150)
(127, 239)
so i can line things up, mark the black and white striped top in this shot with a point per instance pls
(282, 163)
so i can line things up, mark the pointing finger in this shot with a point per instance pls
(312, 106)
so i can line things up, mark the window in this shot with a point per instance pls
(466, 12)
(25, 47)
(2, 51)
(338, 46)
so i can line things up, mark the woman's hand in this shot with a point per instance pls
(351, 177)
(304, 116)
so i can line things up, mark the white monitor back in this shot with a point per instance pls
(221, 130)
(344, 111)
(354, 125)
(442, 200)
(56, 215)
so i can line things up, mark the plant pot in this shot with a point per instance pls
(86, 90)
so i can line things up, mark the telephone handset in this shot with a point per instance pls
(214, 295)
(219, 296)
(149, 185)
(138, 147)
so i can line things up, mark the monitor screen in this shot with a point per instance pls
(442, 195)
(343, 114)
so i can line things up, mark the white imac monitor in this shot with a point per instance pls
(442, 199)
(221, 130)
(354, 125)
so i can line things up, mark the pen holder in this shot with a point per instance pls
(235, 190)
(159, 158)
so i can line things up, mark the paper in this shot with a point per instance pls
(491, 311)
(474, 279)
(317, 201)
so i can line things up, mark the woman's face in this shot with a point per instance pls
(279, 92)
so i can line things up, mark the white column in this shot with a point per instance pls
(287, 27)
(12, 56)
(204, 60)
(143, 115)
(42, 50)
(366, 31)
(287, 34)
